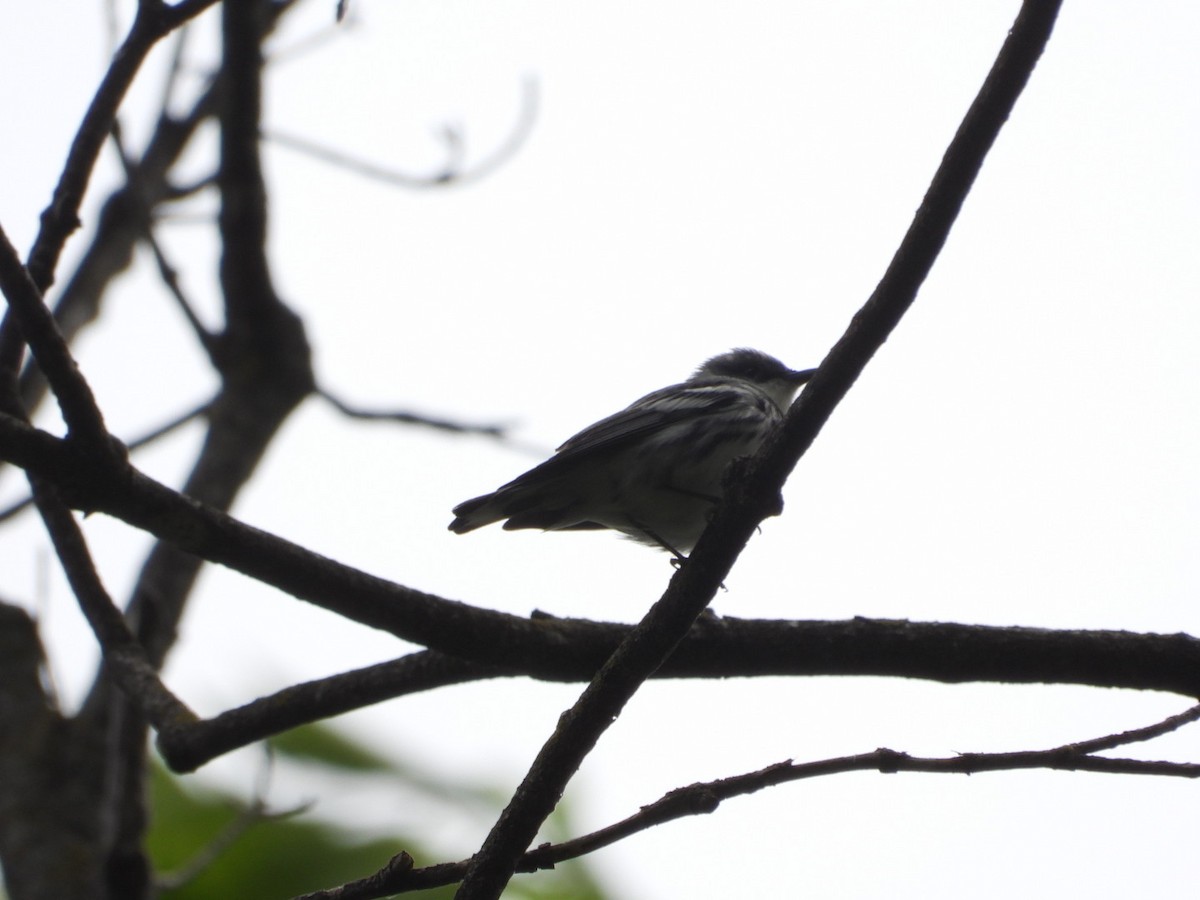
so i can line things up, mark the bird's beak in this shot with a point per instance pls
(802, 376)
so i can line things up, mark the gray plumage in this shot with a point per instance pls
(653, 471)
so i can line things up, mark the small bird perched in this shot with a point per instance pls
(655, 470)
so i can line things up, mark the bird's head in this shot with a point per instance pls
(759, 369)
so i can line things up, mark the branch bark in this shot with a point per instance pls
(756, 495)
(569, 649)
(265, 369)
(401, 876)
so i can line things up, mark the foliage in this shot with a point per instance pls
(283, 855)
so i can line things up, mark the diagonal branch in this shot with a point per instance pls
(121, 766)
(124, 657)
(37, 327)
(167, 273)
(153, 21)
(756, 496)
(123, 219)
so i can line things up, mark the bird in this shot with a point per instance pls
(655, 470)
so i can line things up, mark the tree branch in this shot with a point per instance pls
(569, 649)
(400, 876)
(187, 748)
(122, 221)
(133, 446)
(756, 495)
(453, 171)
(733, 649)
(153, 21)
(405, 417)
(85, 424)
(123, 655)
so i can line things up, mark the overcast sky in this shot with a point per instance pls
(701, 176)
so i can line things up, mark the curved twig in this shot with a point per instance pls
(400, 876)
(454, 170)
(404, 417)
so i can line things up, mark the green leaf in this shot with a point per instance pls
(325, 745)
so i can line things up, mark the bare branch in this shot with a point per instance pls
(409, 418)
(254, 813)
(120, 224)
(399, 876)
(37, 327)
(122, 654)
(262, 355)
(166, 272)
(453, 171)
(152, 22)
(705, 797)
(122, 216)
(574, 648)
(170, 277)
(188, 748)
(936, 651)
(757, 494)
(133, 446)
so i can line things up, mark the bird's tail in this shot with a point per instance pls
(475, 513)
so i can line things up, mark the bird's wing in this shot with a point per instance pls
(522, 499)
(651, 414)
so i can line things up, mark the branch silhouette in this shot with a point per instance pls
(400, 875)
(756, 495)
(481, 643)
(454, 170)
(154, 21)
(262, 358)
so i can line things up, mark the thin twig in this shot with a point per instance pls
(254, 813)
(409, 418)
(152, 22)
(122, 653)
(305, 45)
(705, 797)
(166, 272)
(170, 277)
(453, 170)
(174, 70)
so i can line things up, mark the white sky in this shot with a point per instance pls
(702, 176)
